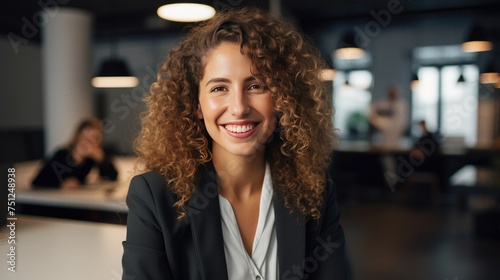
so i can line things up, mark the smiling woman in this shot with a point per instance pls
(238, 112)
(236, 144)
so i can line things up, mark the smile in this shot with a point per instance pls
(239, 128)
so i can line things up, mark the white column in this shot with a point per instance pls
(275, 6)
(66, 70)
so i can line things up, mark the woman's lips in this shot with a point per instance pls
(241, 130)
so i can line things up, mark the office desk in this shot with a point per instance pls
(472, 179)
(362, 165)
(96, 195)
(102, 197)
(484, 181)
(53, 249)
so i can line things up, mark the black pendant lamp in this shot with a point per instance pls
(461, 78)
(491, 74)
(477, 40)
(414, 82)
(114, 73)
(349, 48)
(346, 77)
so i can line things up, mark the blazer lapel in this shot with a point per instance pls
(291, 236)
(204, 216)
(205, 220)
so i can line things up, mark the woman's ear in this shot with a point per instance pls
(199, 113)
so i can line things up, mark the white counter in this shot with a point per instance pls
(52, 249)
(103, 197)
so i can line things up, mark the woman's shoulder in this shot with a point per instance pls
(150, 176)
(152, 187)
(150, 181)
(150, 190)
(330, 183)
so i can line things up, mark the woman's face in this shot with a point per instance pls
(90, 136)
(238, 113)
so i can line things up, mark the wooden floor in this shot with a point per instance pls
(396, 240)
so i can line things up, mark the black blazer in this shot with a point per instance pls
(158, 246)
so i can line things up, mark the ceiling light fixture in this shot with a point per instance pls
(491, 75)
(477, 41)
(186, 12)
(346, 81)
(414, 82)
(461, 78)
(114, 73)
(348, 48)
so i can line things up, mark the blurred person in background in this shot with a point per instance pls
(69, 166)
(389, 117)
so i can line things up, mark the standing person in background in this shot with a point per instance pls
(69, 167)
(236, 144)
(390, 118)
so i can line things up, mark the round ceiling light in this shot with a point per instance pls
(115, 82)
(186, 12)
(477, 46)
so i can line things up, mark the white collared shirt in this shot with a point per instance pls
(263, 264)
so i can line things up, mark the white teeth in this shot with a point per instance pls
(239, 128)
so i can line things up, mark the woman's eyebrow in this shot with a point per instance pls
(218, 80)
(225, 80)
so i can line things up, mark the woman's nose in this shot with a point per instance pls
(239, 105)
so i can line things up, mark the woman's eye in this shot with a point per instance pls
(217, 89)
(254, 87)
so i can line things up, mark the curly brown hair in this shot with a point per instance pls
(174, 142)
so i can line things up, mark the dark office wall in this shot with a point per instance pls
(20, 86)
(21, 117)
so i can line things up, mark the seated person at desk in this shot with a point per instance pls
(427, 150)
(69, 167)
(426, 154)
